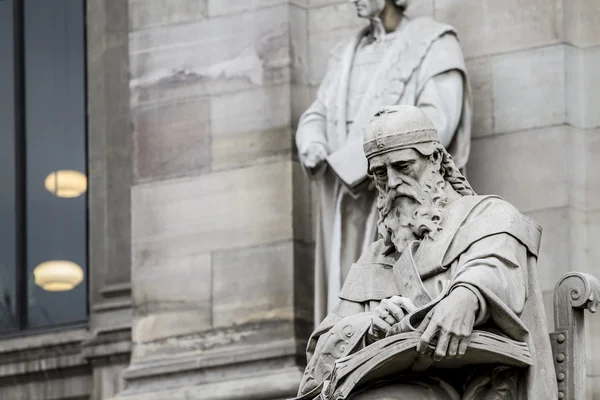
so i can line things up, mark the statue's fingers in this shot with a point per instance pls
(396, 312)
(390, 319)
(404, 302)
(462, 346)
(426, 337)
(309, 162)
(442, 346)
(381, 311)
(322, 154)
(380, 325)
(453, 346)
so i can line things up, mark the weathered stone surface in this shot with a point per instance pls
(174, 62)
(585, 230)
(592, 331)
(304, 289)
(472, 30)
(302, 97)
(581, 22)
(334, 17)
(315, 3)
(56, 357)
(253, 285)
(144, 14)
(528, 169)
(304, 227)
(555, 250)
(68, 386)
(225, 210)
(263, 108)
(480, 77)
(171, 140)
(220, 7)
(492, 27)
(514, 24)
(107, 381)
(172, 293)
(583, 86)
(168, 324)
(421, 8)
(260, 131)
(529, 89)
(299, 51)
(264, 381)
(250, 148)
(584, 176)
(109, 183)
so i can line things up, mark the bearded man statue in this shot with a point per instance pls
(476, 254)
(394, 59)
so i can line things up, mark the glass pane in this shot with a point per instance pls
(8, 278)
(56, 162)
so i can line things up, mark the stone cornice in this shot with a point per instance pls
(42, 353)
(107, 345)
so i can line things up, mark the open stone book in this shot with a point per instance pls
(397, 354)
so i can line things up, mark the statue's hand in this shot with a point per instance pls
(386, 314)
(313, 155)
(452, 322)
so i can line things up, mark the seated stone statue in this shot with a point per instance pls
(476, 254)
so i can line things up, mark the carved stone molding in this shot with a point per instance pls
(108, 346)
(573, 294)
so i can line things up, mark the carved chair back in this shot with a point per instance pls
(573, 294)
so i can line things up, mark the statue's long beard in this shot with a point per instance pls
(410, 213)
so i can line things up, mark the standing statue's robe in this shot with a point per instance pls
(485, 245)
(420, 64)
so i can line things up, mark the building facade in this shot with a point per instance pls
(200, 223)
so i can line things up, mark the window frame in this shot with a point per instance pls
(20, 172)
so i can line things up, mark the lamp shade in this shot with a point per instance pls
(66, 183)
(58, 275)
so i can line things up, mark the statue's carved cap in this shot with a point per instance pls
(399, 127)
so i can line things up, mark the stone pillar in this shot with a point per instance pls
(108, 344)
(221, 265)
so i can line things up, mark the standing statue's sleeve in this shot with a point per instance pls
(442, 100)
(442, 81)
(312, 127)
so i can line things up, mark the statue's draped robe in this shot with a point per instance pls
(485, 245)
(419, 64)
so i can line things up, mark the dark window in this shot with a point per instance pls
(43, 239)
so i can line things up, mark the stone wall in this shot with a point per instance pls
(219, 206)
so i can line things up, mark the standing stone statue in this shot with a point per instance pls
(393, 60)
(453, 278)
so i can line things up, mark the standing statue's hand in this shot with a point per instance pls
(452, 322)
(313, 155)
(386, 314)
